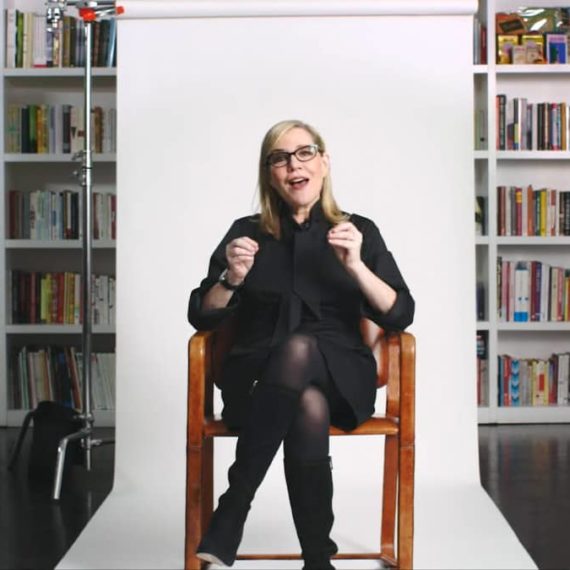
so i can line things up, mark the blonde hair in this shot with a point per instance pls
(271, 204)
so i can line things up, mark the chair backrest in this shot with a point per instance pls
(376, 339)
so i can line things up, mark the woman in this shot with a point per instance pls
(299, 276)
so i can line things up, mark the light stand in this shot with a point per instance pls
(89, 11)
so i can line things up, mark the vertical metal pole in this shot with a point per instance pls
(54, 16)
(87, 239)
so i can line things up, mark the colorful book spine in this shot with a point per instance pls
(28, 43)
(532, 291)
(533, 381)
(54, 298)
(53, 129)
(54, 373)
(524, 125)
(529, 212)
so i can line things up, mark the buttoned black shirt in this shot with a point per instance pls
(297, 282)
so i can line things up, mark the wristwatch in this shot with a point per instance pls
(223, 280)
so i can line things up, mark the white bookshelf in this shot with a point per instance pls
(48, 158)
(535, 155)
(517, 168)
(26, 172)
(59, 72)
(55, 244)
(533, 69)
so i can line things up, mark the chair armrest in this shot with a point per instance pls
(407, 388)
(206, 352)
(199, 361)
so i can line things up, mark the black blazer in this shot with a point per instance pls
(298, 281)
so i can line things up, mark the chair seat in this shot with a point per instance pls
(376, 425)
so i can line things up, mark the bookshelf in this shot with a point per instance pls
(515, 168)
(51, 172)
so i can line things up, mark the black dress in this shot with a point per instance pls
(298, 284)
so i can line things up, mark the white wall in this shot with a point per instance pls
(392, 96)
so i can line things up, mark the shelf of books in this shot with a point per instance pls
(522, 211)
(40, 257)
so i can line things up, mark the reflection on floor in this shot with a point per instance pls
(525, 469)
(36, 531)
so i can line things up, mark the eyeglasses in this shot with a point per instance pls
(282, 157)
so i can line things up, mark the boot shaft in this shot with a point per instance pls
(272, 411)
(310, 488)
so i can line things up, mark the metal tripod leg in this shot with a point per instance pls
(61, 451)
(88, 444)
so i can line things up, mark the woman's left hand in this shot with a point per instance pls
(346, 241)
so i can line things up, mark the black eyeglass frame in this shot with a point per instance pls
(293, 153)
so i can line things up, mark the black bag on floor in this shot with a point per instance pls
(52, 422)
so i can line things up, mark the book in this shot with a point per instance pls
(538, 381)
(482, 383)
(39, 40)
(54, 298)
(505, 43)
(11, 37)
(501, 102)
(480, 301)
(19, 38)
(509, 23)
(480, 214)
(521, 303)
(556, 48)
(518, 55)
(563, 378)
(480, 130)
(514, 384)
(53, 372)
(534, 47)
(28, 44)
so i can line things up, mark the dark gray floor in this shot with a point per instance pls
(36, 531)
(525, 469)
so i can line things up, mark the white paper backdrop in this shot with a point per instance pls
(392, 96)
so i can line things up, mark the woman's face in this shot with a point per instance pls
(298, 183)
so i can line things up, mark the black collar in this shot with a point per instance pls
(289, 225)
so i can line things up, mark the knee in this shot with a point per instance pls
(295, 362)
(314, 408)
(299, 348)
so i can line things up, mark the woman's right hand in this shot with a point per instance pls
(240, 254)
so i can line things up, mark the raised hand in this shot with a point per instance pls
(346, 241)
(240, 254)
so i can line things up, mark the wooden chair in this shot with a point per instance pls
(395, 353)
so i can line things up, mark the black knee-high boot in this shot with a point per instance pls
(272, 411)
(310, 489)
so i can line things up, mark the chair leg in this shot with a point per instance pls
(207, 482)
(389, 494)
(406, 508)
(20, 441)
(194, 507)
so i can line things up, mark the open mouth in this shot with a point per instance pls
(298, 183)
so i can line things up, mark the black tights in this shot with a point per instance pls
(298, 364)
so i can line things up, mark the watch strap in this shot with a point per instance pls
(223, 280)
